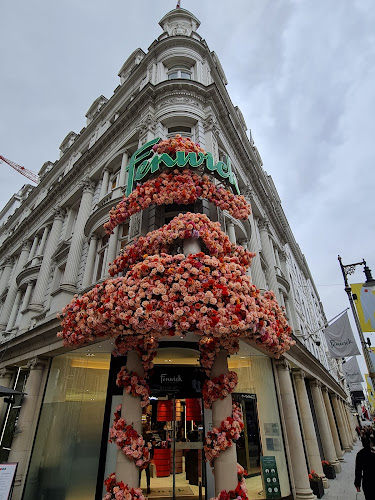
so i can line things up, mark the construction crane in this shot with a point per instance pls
(22, 170)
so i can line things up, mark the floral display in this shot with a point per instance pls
(240, 492)
(220, 439)
(121, 491)
(173, 295)
(177, 143)
(313, 476)
(181, 187)
(209, 347)
(134, 384)
(184, 226)
(218, 388)
(145, 345)
(129, 441)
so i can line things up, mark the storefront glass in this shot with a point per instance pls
(64, 463)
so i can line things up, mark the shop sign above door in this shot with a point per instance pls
(141, 165)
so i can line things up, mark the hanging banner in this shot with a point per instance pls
(370, 392)
(340, 338)
(365, 304)
(352, 372)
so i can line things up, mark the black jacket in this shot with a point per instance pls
(365, 469)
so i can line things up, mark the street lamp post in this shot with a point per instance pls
(349, 269)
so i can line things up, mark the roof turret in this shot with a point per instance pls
(179, 22)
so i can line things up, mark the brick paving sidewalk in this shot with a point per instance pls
(342, 488)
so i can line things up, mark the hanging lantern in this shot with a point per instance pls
(165, 411)
(193, 410)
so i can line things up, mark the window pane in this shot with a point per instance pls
(65, 457)
(185, 75)
(172, 76)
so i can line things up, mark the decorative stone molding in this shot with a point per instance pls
(283, 363)
(299, 374)
(88, 185)
(147, 124)
(179, 22)
(37, 363)
(264, 225)
(210, 124)
(59, 213)
(316, 383)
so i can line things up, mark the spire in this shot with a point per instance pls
(179, 22)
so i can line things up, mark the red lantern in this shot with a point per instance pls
(165, 411)
(193, 410)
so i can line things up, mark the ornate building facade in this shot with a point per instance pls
(53, 246)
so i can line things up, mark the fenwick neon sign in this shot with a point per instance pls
(140, 168)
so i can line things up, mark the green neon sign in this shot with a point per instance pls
(144, 163)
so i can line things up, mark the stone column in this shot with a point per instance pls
(191, 246)
(291, 305)
(104, 186)
(124, 164)
(13, 314)
(78, 237)
(231, 232)
(340, 422)
(126, 469)
(27, 422)
(324, 429)
(257, 274)
(348, 423)
(332, 424)
(269, 257)
(13, 287)
(90, 262)
(112, 249)
(34, 247)
(38, 296)
(307, 422)
(6, 274)
(43, 240)
(345, 420)
(293, 433)
(26, 299)
(6, 378)
(225, 465)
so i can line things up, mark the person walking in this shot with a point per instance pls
(365, 470)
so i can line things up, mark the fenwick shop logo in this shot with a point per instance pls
(140, 167)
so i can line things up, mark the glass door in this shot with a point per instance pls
(174, 427)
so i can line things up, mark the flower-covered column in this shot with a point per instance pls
(226, 463)
(126, 469)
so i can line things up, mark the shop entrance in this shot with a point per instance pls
(174, 425)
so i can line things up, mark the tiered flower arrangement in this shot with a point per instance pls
(161, 294)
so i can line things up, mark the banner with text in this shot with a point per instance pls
(352, 372)
(340, 338)
(365, 304)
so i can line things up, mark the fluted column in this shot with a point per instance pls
(38, 296)
(332, 424)
(78, 237)
(90, 262)
(112, 249)
(307, 422)
(257, 274)
(323, 424)
(104, 186)
(13, 314)
(27, 422)
(293, 432)
(126, 469)
(225, 465)
(26, 299)
(231, 232)
(291, 305)
(6, 274)
(124, 164)
(13, 287)
(6, 378)
(340, 422)
(268, 256)
(345, 422)
(42, 245)
(34, 246)
(348, 424)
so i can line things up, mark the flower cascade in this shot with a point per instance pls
(129, 441)
(177, 143)
(218, 387)
(240, 492)
(121, 491)
(189, 225)
(134, 384)
(220, 439)
(181, 187)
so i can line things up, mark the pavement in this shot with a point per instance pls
(342, 488)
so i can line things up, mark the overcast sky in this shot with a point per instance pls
(302, 72)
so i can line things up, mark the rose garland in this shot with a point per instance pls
(181, 187)
(218, 388)
(240, 492)
(209, 347)
(220, 439)
(176, 294)
(129, 441)
(134, 384)
(189, 225)
(145, 345)
(121, 491)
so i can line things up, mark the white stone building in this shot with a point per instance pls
(53, 246)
